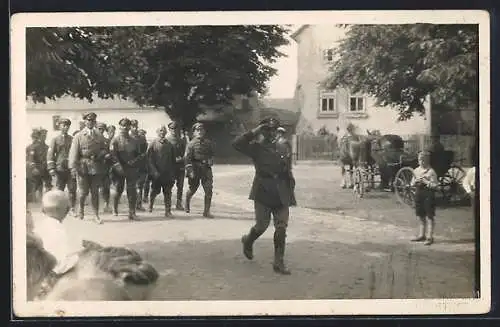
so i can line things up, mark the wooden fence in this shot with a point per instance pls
(312, 147)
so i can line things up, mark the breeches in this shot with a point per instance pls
(263, 217)
(129, 179)
(141, 179)
(65, 179)
(203, 176)
(89, 183)
(160, 184)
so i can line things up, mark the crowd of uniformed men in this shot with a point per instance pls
(96, 160)
(99, 161)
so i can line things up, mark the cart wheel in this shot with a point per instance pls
(450, 185)
(359, 185)
(405, 193)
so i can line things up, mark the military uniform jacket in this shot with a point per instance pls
(179, 144)
(142, 143)
(273, 184)
(199, 152)
(126, 151)
(88, 153)
(58, 153)
(35, 158)
(161, 159)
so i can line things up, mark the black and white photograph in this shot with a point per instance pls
(250, 163)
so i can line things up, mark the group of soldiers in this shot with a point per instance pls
(95, 161)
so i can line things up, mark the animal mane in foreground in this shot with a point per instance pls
(101, 274)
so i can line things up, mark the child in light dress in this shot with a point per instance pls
(425, 181)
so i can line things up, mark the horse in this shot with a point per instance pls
(100, 274)
(355, 152)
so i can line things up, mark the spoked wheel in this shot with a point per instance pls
(359, 185)
(405, 193)
(450, 185)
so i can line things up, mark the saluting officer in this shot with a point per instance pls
(199, 158)
(106, 181)
(87, 160)
(161, 159)
(142, 169)
(179, 142)
(272, 189)
(57, 161)
(127, 152)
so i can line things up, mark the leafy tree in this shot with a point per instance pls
(400, 65)
(180, 68)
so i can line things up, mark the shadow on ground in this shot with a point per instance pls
(216, 270)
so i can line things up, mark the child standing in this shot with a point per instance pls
(425, 181)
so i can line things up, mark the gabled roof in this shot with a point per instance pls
(280, 103)
(298, 32)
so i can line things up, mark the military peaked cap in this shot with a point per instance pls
(42, 131)
(173, 125)
(198, 126)
(101, 125)
(134, 122)
(270, 121)
(64, 121)
(89, 116)
(35, 132)
(281, 129)
(125, 122)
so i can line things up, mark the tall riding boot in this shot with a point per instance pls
(279, 252)
(178, 205)
(188, 201)
(145, 196)
(116, 201)
(167, 198)
(208, 203)
(94, 197)
(132, 203)
(152, 199)
(139, 199)
(72, 201)
(81, 211)
(248, 241)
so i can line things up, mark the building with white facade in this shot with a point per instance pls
(332, 109)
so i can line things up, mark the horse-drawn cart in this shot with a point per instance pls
(449, 174)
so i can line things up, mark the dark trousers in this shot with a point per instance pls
(179, 182)
(89, 184)
(105, 188)
(130, 180)
(140, 182)
(162, 184)
(204, 176)
(65, 179)
(263, 217)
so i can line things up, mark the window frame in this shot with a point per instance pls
(356, 96)
(328, 95)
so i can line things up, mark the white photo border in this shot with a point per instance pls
(22, 308)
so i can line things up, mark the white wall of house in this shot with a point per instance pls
(332, 108)
(107, 111)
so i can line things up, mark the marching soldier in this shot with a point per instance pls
(57, 162)
(199, 158)
(127, 152)
(179, 143)
(87, 160)
(46, 179)
(162, 162)
(34, 165)
(272, 189)
(142, 163)
(81, 126)
(106, 182)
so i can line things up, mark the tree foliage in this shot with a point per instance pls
(400, 65)
(179, 68)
